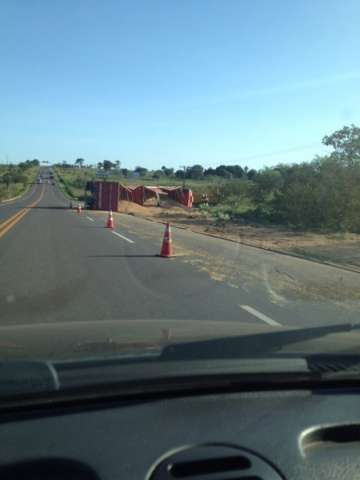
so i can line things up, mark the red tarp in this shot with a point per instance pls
(141, 194)
(180, 195)
(132, 194)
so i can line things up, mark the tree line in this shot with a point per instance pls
(322, 193)
(11, 173)
(195, 172)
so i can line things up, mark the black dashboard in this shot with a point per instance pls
(294, 434)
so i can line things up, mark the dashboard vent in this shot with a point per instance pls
(329, 436)
(213, 462)
(333, 363)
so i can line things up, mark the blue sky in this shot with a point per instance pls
(176, 82)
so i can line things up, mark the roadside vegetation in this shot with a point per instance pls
(16, 179)
(322, 194)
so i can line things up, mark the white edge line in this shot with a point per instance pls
(261, 316)
(124, 238)
(91, 219)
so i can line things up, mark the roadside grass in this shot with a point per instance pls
(63, 185)
(18, 188)
(224, 212)
(14, 190)
(72, 181)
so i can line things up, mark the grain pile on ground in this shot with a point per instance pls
(132, 208)
(151, 210)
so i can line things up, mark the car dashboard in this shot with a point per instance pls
(292, 434)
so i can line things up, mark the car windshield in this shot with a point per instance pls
(174, 174)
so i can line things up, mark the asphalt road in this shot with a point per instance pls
(59, 266)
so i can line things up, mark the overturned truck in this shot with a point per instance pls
(140, 194)
(106, 195)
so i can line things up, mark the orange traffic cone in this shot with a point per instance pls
(167, 248)
(79, 208)
(110, 221)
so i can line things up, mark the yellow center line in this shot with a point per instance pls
(12, 221)
(9, 220)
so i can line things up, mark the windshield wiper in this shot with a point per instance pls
(257, 345)
(245, 358)
(245, 346)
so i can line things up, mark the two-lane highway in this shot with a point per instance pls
(14, 211)
(58, 266)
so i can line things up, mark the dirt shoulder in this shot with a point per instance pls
(339, 249)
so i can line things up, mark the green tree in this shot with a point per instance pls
(210, 172)
(251, 174)
(266, 183)
(7, 178)
(235, 170)
(157, 174)
(196, 172)
(346, 143)
(222, 171)
(169, 172)
(142, 171)
(79, 162)
(107, 165)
